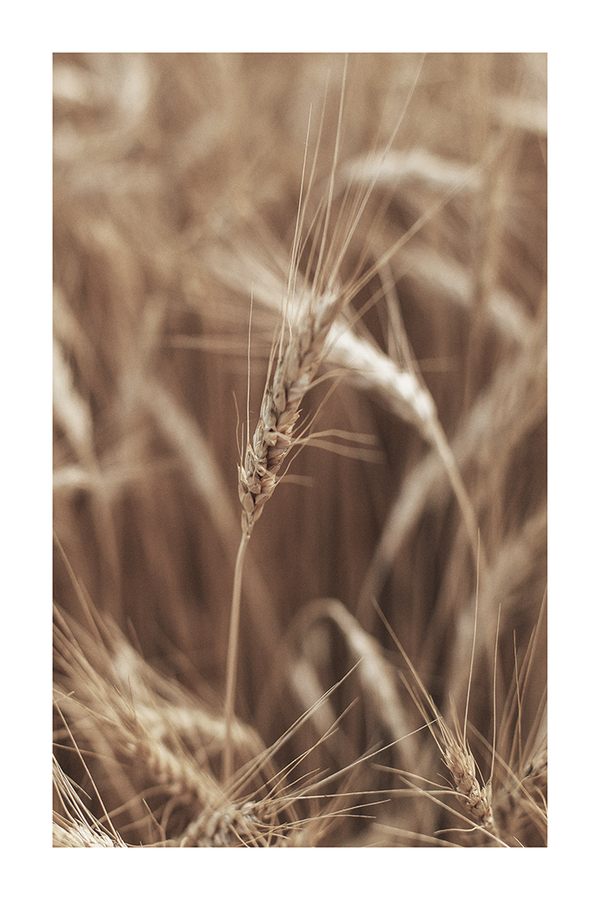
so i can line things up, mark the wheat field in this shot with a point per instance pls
(300, 415)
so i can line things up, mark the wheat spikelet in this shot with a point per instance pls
(233, 825)
(475, 798)
(80, 834)
(274, 436)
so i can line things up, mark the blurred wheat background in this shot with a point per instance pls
(408, 563)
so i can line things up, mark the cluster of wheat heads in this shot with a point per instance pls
(327, 272)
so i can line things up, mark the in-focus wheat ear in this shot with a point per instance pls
(280, 409)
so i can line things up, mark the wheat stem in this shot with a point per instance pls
(232, 654)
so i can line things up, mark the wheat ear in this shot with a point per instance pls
(459, 760)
